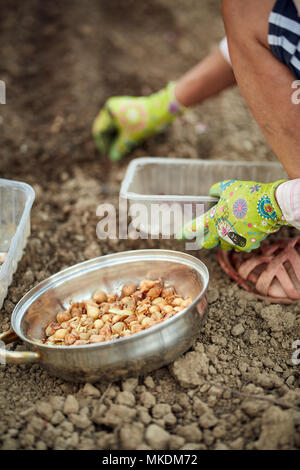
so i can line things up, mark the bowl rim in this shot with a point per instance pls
(47, 284)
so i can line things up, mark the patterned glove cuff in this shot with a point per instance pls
(175, 108)
(272, 194)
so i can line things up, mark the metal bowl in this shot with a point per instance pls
(137, 354)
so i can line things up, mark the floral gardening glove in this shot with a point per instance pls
(247, 212)
(126, 121)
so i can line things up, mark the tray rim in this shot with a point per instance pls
(136, 162)
(25, 217)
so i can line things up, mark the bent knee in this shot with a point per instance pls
(247, 20)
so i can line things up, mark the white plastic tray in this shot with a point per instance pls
(15, 204)
(152, 180)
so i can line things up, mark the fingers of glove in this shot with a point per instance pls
(215, 190)
(196, 227)
(201, 228)
(120, 147)
(210, 241)
(104, 122)
(225, 245)
(103, 130)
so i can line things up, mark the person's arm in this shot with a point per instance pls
(211, 76)
(265, 82)
(125, 121)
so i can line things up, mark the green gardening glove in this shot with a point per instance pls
(126, 121)
(247, 212)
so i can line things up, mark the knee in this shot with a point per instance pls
(236, 18)
(246, 20)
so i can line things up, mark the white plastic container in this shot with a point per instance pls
(15, 204)
(151, 181)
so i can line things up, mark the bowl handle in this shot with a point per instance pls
(15, 357)
(8, 337)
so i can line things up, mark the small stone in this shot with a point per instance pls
(131, 436)
(87, 444)
(170, 420)
(40, 445)
(199, 407)
(219, 431)
(10, 444)
(44, 409)
(12, 432)
(277, 430)
(268, 381)
(91, 391)
(221, 446)
(143, 447)
(176, 442)
(28, 413)
(27, 440)
(215, 391)
(253, 336)
(208, 438)
(190, 369)
(57, 418)
(149, 382)
(117, 415)
(126, 398)
(130, 384)
(290, 380)
(157, 437)
(190, 432)
(98, 413)
(176, 408)
(147, 399)
(160, 410)
(237, 329)
(208, 420)
(253, 407)
(144, 415)
(81, 421)
(73, 440)
(193, 446)
(49, 434)
(36, 425)
(57, 403)
(71, 405)
(60, 443)
(212, 295)
(237, 444)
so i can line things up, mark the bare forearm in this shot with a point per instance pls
(208, 78)
(265, 82)
(266, 86)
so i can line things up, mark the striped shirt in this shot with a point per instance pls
(284, 34)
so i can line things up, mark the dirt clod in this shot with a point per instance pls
(157, 437)
(190, 369)
(71, 405)
(277, 431)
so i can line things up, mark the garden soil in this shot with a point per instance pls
(237, 387)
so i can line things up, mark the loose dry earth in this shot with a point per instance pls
(237, 388)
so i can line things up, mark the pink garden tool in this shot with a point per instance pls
(270, 273)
